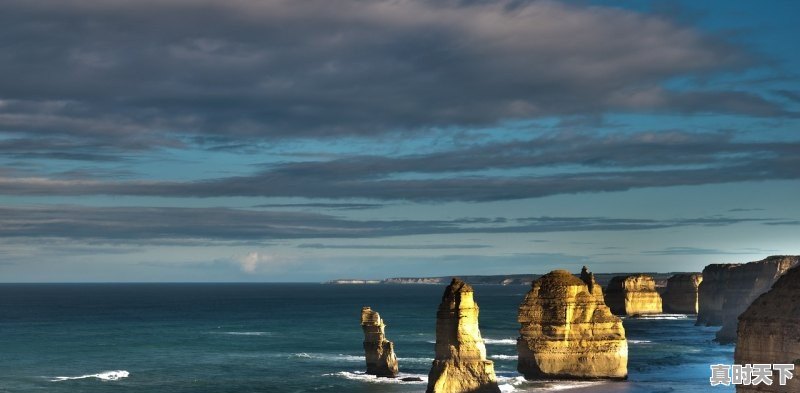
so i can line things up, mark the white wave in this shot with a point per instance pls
(504, 357)
(664, 316)
(103, 376)
(639, 341)
(246, 333)
(329, 357)
(364, 377)
(501, 341)
(510, 384)
(415, 360)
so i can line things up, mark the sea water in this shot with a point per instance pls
(288, 338)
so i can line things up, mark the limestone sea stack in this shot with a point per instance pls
(379, 351)
(769, 332)
(681, 294)
(633, 294)
(460, 365)
(568, 332)
(728, 289)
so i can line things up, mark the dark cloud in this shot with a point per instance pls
(699, 251)
(128, 75)
(337, 206)
(562, 163)
(391, 246)
(159, 224)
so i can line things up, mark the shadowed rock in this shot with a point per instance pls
(379, 351)
(769, 332)
(460, 365)
(681, 294)
(728, 289)
(633, 295)
(568, 331)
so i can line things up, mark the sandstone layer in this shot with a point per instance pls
(633, 295)
(569, 332)
(769, 332)
(379, 351)
(728, 289)
(460, 365)
(681, 293)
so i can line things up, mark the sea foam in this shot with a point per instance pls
(364, 377)
(501, 341)
(103, 376)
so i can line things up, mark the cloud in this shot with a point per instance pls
(201, 226)
(121, 76)
(553, 164)
(250, 262)
(339, 206)
(392, 246)
(701, 251)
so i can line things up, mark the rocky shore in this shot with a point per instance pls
(769, 332)
(728, 289)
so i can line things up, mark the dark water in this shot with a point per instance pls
(283, 338)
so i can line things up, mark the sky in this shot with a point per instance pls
(278, 140)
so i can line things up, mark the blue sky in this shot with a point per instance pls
(285, 141)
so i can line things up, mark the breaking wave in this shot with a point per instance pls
(502, 341)
(103, 376)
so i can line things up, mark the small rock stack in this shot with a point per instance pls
(568, 332)
(379, 351)
(681, 294)
(460, 365)
(633, 295)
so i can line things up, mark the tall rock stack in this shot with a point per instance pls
(769, 332)
(729, 289)
(681, 294)
(568, 331)
(379, 351)
(460, 365)
(633, 295)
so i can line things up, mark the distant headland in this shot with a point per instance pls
(502, 279)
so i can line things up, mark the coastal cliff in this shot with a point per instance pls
(728, 289)
(379, 352)
(633, 295)
(460, 365)
(568, 331)
(769, 332)
(681, 293)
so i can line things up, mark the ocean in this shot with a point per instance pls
(288, 338)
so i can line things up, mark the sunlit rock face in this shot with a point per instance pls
(728, 289)
(379, 351)
(633, 295)
(769, 332)
(460, 365)
(681, 294)
(569, 332)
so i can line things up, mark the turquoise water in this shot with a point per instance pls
(288, 338)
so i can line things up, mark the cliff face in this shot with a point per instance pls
(633, 295)
(460, 365)
(728, 289)
(379, 351)
(769, 332)
(681, 294)
(568, 331)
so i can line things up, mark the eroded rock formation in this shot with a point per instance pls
(633, 295)
(568, 331)
(728, 289)
(769, 332)
(379, 351)
(681, 293)
(460, 365)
